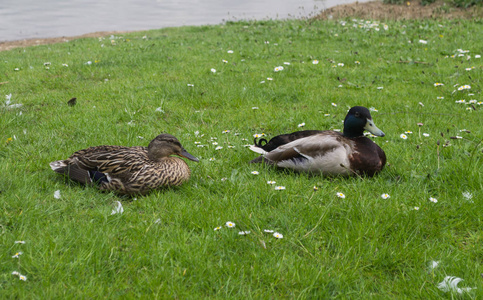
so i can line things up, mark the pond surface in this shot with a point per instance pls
(27, 19)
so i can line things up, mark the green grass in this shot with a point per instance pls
(164, 245)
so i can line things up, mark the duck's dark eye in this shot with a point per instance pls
(357, 114)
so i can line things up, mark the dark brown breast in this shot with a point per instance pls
(368, 158)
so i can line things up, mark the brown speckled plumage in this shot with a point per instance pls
(129, 170)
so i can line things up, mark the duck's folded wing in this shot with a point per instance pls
(110, 159)
(305, 148)
(283, 139)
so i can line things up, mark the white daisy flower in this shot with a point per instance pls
(278, 235)
(340, 195)
(434, 200)
(385, 196)
(230, 224)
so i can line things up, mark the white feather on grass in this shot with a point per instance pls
(450, 284)
(433, 265)
(118, 209)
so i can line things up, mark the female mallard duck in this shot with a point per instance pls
(327, 152)
(129, 170)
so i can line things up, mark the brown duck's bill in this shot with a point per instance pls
(187, 155)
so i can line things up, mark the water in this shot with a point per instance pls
(27, 19)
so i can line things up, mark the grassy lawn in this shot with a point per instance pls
(130, 88)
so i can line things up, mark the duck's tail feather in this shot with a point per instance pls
(72, 171)
(262, 159)
(259, 143)
(58, 166)
(257, 149)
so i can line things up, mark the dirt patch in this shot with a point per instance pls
(411, 10)
(368, 10)
(35, 42)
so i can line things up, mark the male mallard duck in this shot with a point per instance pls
(129, 170)
(327, 152)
